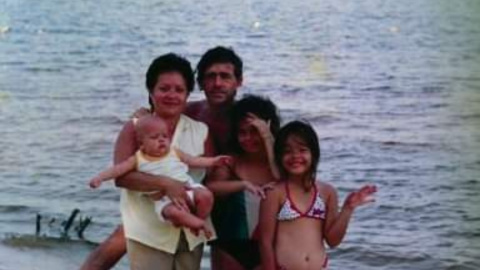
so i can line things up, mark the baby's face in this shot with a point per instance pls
(155, 141)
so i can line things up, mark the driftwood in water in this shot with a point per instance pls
(82, 224)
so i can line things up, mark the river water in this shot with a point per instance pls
(392, 87)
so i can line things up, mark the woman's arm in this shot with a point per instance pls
(268, 223)
(337, 224)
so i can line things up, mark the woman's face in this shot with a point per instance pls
(169, 94)
(248, 137)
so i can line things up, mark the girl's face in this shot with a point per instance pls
(297, 157)
(249, 138)
(169, 94)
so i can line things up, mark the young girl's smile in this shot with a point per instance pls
(297, 158)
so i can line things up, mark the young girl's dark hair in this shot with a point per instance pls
(262, 107)
(307, 135)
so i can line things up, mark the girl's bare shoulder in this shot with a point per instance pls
(325, 187)
(277, 190)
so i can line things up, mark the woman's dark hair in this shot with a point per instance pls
(169, 62)
(219, 55)
(262, 107)
(307, 135)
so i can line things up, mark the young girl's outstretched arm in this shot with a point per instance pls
(221, 181)
(113, 172)
(268, 223)
(337, 223)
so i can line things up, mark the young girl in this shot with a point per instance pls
(300, 213)
(240, 186)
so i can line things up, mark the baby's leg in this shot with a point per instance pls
(182, 218)
(203, 199)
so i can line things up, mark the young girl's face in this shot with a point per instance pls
(249, 138)
(297, 157)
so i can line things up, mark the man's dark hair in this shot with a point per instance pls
(169, 62)
(220, 55)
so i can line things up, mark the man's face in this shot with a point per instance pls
(220, 84)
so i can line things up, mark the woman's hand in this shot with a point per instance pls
(176, 192)
(360, 197)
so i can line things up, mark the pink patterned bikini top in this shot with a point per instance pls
(290, 212)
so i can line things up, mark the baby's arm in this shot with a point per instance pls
(203, 162)
(113, 172)
(337, 223)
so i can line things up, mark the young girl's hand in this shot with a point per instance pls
(262, 126)
(223, 160)
(360, 197)
(254, 189)
(268, 186)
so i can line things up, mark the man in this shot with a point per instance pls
(219, 75)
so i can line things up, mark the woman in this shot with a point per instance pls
(150, 243)
(240, 186)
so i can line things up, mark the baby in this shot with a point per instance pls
(156, 157)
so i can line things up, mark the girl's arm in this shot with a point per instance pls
(268, 223)
(203, 162)
(220, 181)
(337, 224)
(126, 146)
(268, 139)
(113, 172)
